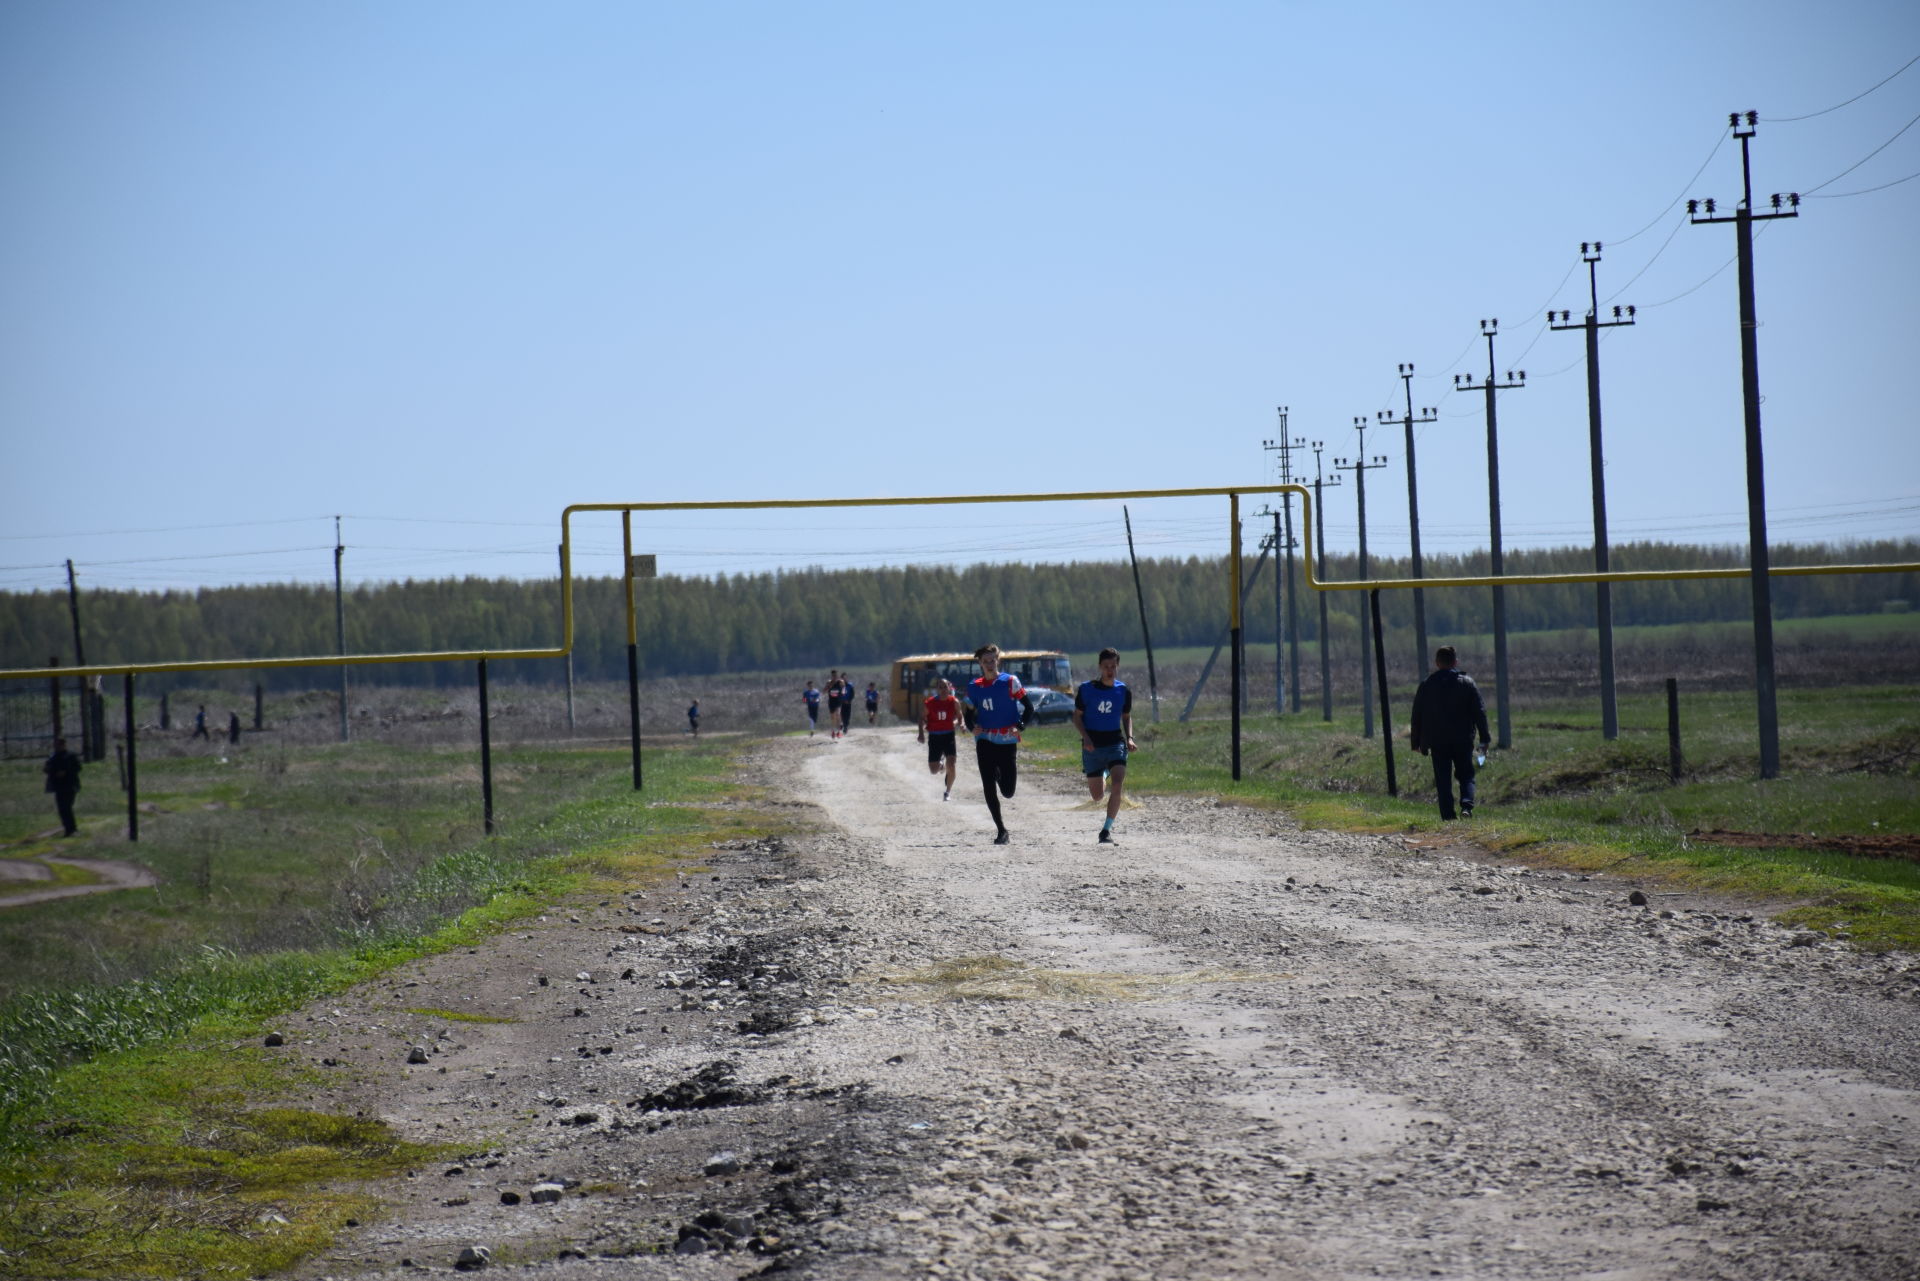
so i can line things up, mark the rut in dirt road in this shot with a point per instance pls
(1228, 1047)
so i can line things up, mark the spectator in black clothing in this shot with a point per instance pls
(1447, 712)
(233, 727)
(63, 780)
(200, 723)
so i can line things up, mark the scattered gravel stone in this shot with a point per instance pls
(416, 1055)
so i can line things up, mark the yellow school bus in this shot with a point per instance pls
(914, 674)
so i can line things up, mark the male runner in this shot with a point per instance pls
(1103, 713)
(939, 719)
(997, 711)
(873, 704)
(847, 694)
(812, 697)
(836, 690)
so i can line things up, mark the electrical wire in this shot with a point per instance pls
(1719, 141)
(1863, 160)
(1864, 191)
(1787, 120)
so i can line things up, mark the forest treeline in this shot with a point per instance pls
(815, 618)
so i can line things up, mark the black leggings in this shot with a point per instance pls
(999, 765)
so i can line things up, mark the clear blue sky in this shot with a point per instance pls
(447, 267)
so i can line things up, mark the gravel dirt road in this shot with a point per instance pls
(1225, 1047)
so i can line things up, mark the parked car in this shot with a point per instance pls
(1049, 706)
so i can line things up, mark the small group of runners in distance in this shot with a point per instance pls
(994, 708)
(841, 696)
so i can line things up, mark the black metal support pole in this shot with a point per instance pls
(1146, 638)
(1279, 632)
(1498, 566)
(1674, 762)
(259, 706)
(1386, 698)
(53, 683)
(633, 711)
(1233, 600)
(633, 644)
(486, 751)
(133, 769)
(1293, 606)
(340, 621)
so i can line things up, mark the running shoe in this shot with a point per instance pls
(1003, 839)
(1106, 836)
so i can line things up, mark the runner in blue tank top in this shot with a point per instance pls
(1103, 713)
(996, 710)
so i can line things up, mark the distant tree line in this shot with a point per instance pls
(816, 618)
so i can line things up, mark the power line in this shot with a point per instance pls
(1863, 160)
(1864, 191)
(1787, 120)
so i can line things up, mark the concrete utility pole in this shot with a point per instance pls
(561, 551)
(1410, 420)
(1320, 485)
(1464, 382)
(1285, 447)
(1360, 466)
(340, 622)
(1743, 219)
(1602, 592)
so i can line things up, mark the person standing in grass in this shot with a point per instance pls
(1447, 710)
(63, 780)
(1103, 713)
(811, 696)
(996, 711)
(939, 722)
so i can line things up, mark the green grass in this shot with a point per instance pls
(132, 1136)
(1564, 796)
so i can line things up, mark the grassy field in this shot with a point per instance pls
(128, 1145)
(1835, 841)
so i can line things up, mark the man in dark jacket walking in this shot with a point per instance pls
(63, 780)
(1447, 712)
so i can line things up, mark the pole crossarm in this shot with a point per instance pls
(565, 647)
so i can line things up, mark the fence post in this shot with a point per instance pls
(133, 770)
(1673, 730)
(166, 713)
(259, 706)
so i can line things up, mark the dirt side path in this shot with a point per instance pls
(113, 873)
(1223, 1048)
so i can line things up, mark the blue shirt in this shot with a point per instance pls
(1101, 707)
(813, 699)
(996, 707)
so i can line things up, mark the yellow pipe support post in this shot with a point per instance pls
(633, 643)
(1233, 630)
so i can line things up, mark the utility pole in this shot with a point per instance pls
(1410, 420)
(1602, 592)
(340, 622)
(80, 660)
(1285, 447)
(1464, 382)
(1360, 465)
(1743, 219)
(1320, 485)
